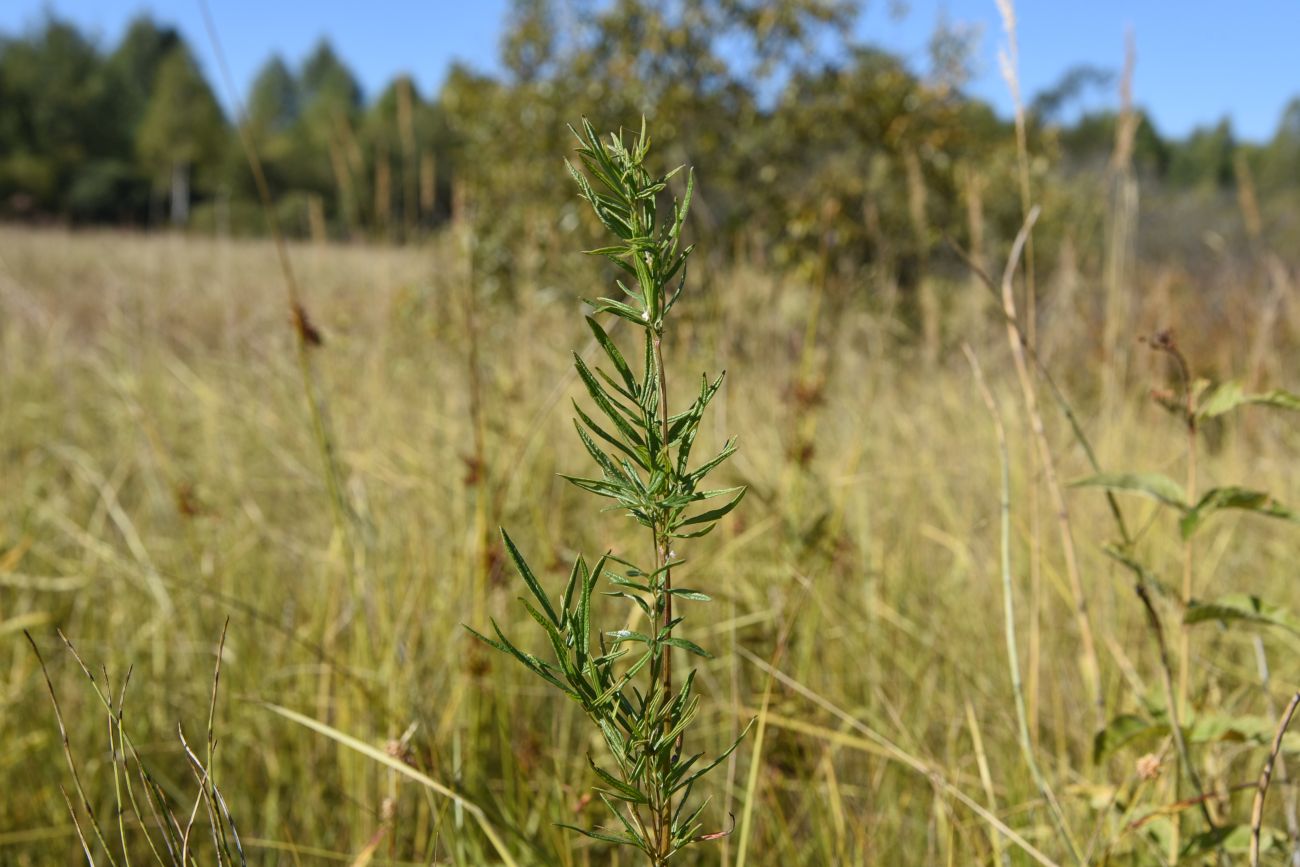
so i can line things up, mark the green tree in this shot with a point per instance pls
(1280, 160)
(58, 117)
(325, 77)
(1090, 141)
(182, 129)
(274, 102)
(333, 164)
(530, 44)
(133, 66)
(1205, 159)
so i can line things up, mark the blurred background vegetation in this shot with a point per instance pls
(163, 472)
(819, 148)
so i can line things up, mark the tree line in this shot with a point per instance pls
(822, 151)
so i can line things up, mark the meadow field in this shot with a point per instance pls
(162, 475)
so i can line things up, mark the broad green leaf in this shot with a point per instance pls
(1139, 733)
(1241, 607)
(1232, 839)
(1154, 485)
(1126, 730)
(1259, 502)
(1229, 395)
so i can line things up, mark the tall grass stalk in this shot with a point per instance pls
(1009, 65)
(1265, 776)
(1088, 661)
(1009, 617)
(1121, 236)
(306, 336)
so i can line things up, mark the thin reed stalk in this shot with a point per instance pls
(1088, 662)
(1265, 776)
(306, 335)
(1009, 617)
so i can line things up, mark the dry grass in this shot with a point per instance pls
(159, 475)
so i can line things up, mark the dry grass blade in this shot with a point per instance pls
(1091, 669)
(76, 824)
(405, 770)
(72, 764)
(905, 758)
(1265, 776)
(1009, 618)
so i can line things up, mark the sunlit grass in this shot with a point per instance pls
(159, 474)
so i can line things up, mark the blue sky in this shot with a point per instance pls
(1198, 60)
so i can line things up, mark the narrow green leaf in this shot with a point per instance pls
(617, 414)
(527, 574)
(714, 514)
(689, 781)
(635, 453)
(604, 461)
(622, 790)
(579, 569)
(703, 470)
(604, 836)
(689, 646)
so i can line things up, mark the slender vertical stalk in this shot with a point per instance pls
(663, 553)
(1288, 794)
(1088, 663)
(478, 471)
(306, 335)
(1164, 342)
(1265, 776)
(663, 556)
(1009, 619)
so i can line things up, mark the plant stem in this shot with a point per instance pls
(1089, 665)
(662, 552)
(663, 812)
(1009, 618)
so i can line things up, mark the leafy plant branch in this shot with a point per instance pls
(643, 452)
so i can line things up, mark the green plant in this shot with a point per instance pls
(630, 695)
(1194, 402)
